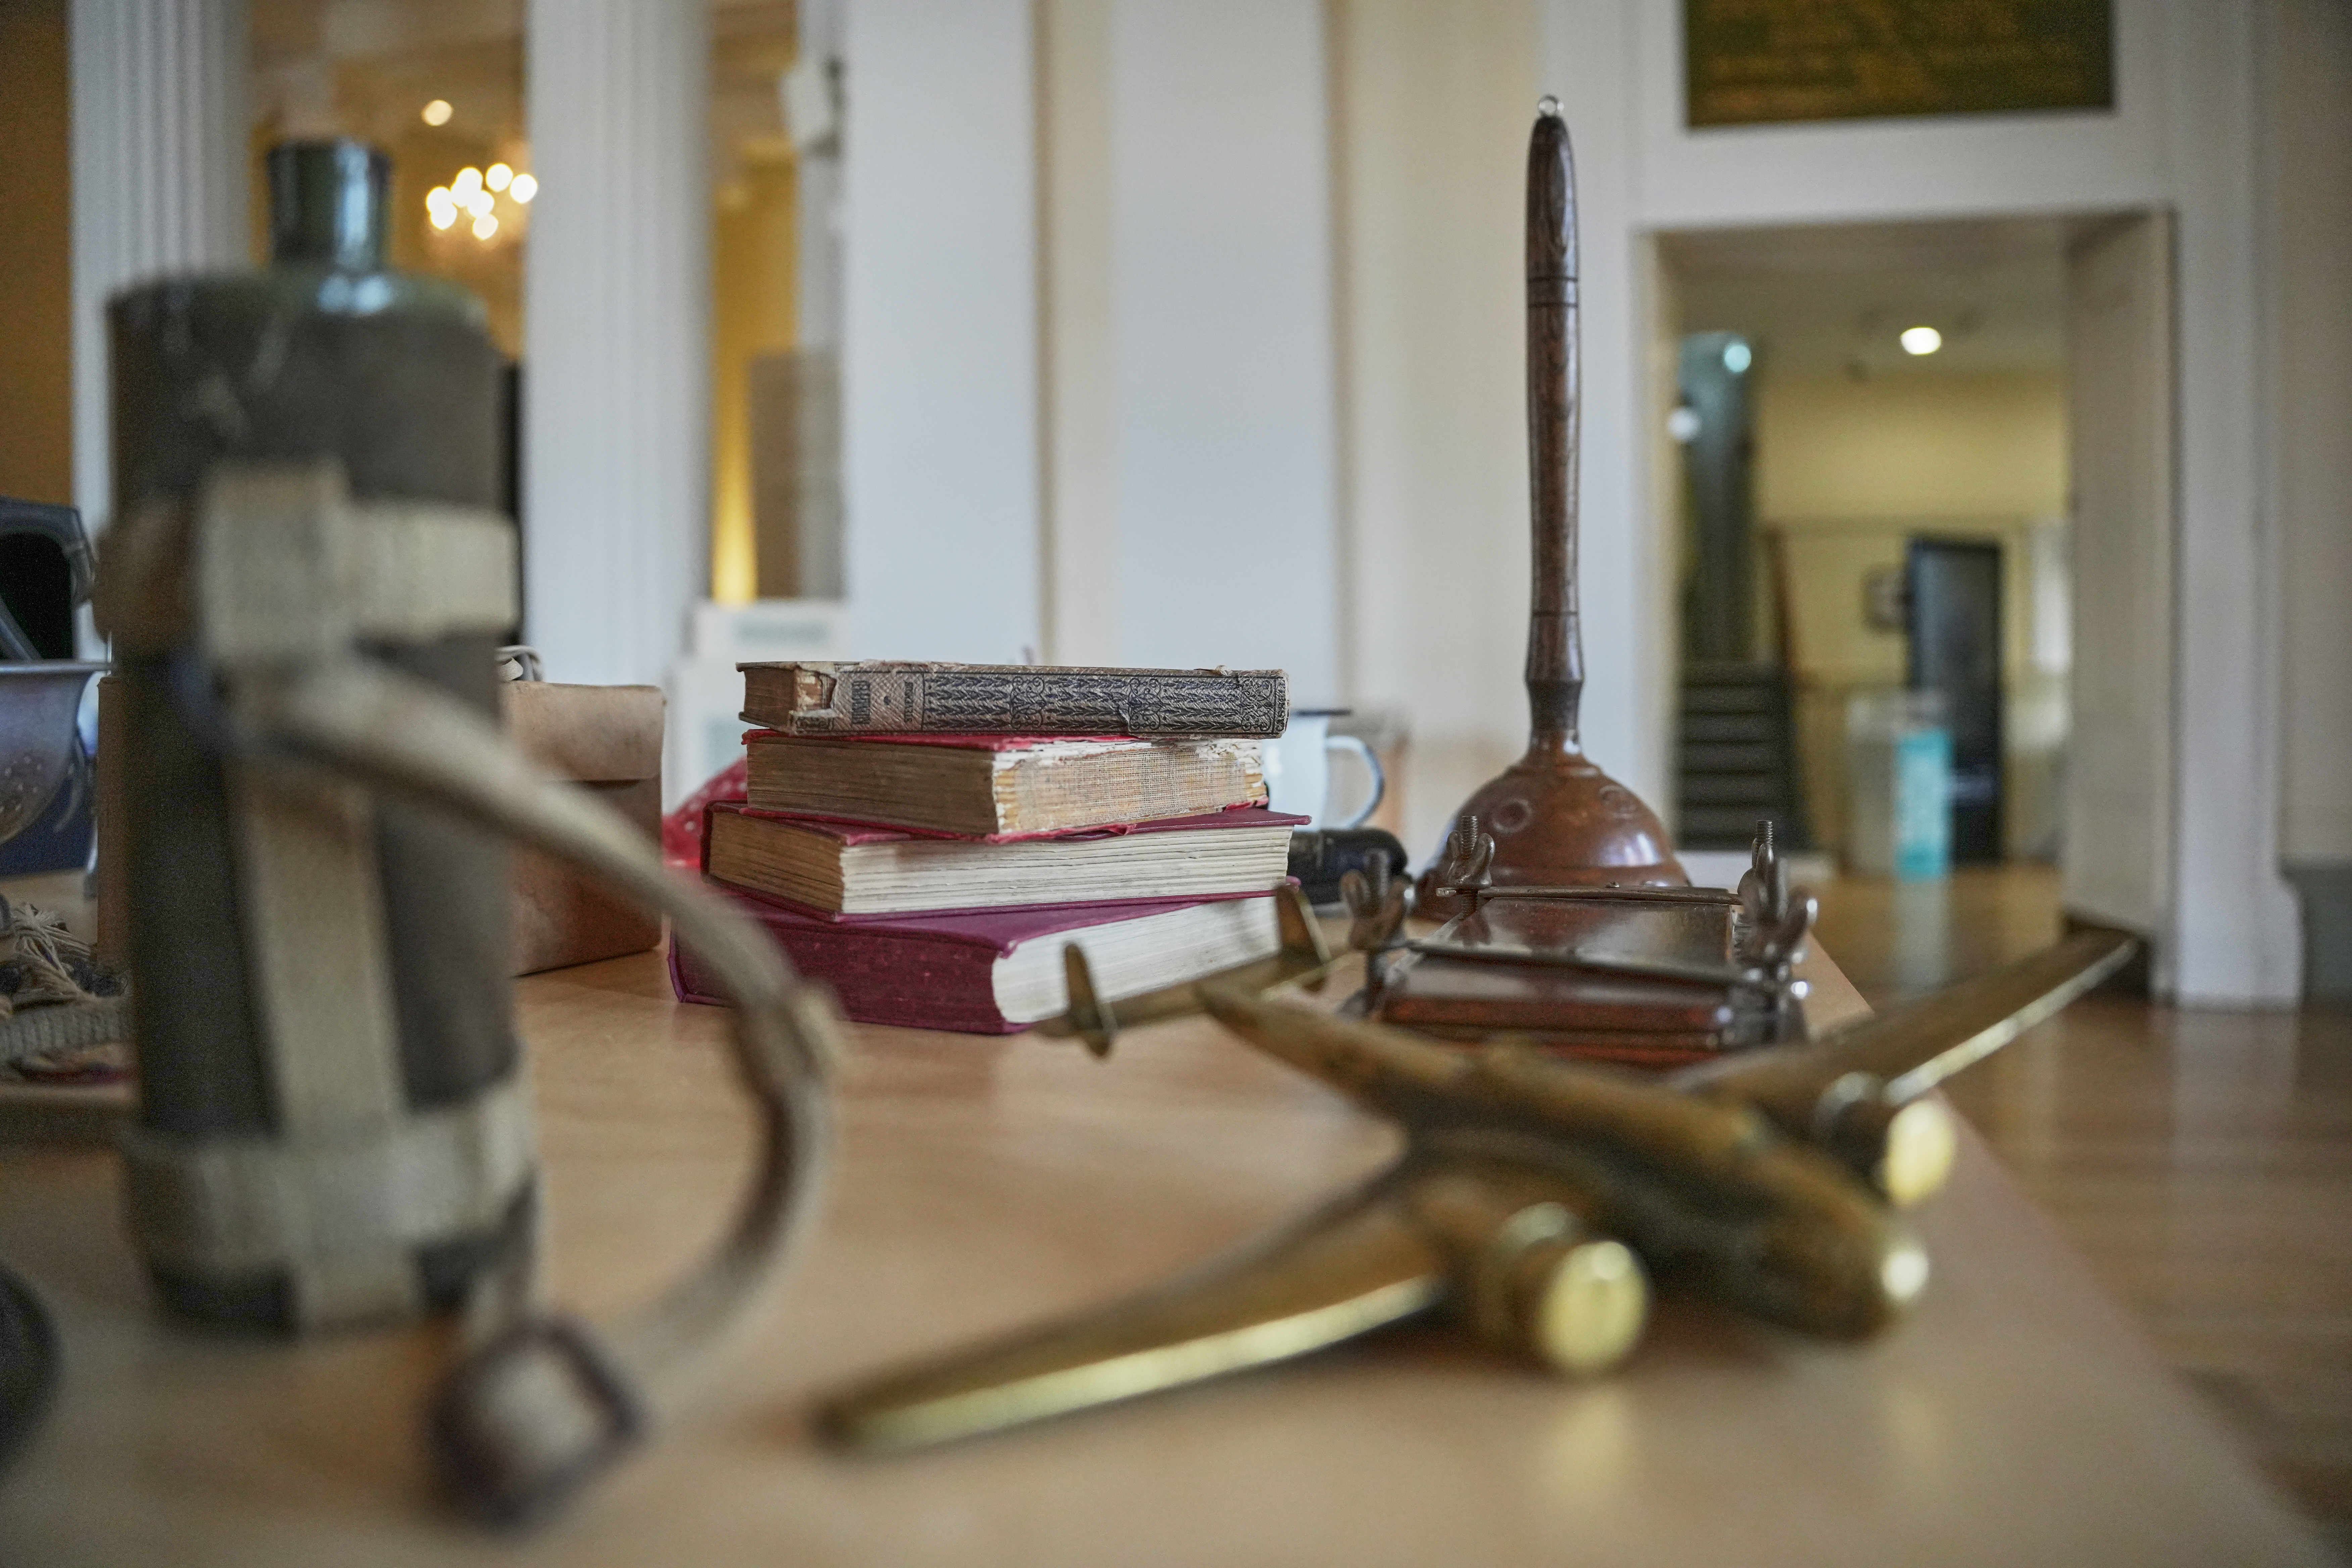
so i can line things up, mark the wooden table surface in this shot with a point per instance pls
(2018, 1418)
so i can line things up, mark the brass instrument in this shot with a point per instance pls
(1536, 1203)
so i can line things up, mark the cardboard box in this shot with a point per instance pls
(608, 738)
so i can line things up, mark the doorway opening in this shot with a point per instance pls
(1925, 467)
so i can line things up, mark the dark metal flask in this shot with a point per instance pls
(323, 355)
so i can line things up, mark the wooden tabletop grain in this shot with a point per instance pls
(2018, 1418)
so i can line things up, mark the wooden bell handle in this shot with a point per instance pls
(1555, 646)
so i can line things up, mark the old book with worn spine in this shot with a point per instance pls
(852, 871)
(879, 698)
(999, 786)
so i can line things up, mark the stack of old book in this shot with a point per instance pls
(927, 839)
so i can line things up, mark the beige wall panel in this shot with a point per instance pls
(1432, 105)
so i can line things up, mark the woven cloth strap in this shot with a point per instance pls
(231, 1206)
(543, 1404)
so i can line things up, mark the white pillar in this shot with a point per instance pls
(159, 179)
(2234, 937)
(616, 335)
(1223, 333)
(939, 337)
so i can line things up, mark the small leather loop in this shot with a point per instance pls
(528, 1420)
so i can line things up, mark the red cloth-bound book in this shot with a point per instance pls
(994, 972)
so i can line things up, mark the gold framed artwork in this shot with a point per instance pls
(1762, 62)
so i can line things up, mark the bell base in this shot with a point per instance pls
(1558, 821)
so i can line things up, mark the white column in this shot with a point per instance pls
(2235, 937)
(159, 179)
(1223, 332)
(939, 337)
(616, 335)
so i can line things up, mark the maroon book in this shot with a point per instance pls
(995, 972)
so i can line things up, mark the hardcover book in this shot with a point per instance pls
(849, 869)
(997, 972)
(999, 786)
(876, 698)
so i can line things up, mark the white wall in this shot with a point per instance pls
(1222, 324)
(1433, 108)
(1214, 514)
(940, 390)
(1989, 443)
(159, 183)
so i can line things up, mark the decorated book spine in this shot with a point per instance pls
(878, 698)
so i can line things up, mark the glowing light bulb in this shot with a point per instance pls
(498, 176)
(1737, 357)
(437, 113)
(480, 203)
(485, 226)
(442, 216)
(523, 189)
(467, 182)
(1921, 340)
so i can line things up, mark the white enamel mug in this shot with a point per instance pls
(1299, 769)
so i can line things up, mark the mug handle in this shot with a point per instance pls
(1366, 756)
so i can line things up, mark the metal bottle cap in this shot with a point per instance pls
(327, 204)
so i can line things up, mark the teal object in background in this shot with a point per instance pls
(1923, 804)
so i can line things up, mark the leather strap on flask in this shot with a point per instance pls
(285, 580)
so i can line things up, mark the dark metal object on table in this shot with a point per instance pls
(1645, 976)
(1535, 1201)
(1321, 858)
(45, 773)
(45, 573)
(1556, 818)
(41, 753)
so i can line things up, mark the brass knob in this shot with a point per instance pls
(1533, 1279)
(1907, 1149)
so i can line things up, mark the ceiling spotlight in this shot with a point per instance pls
(485, 226)
(523, 189)
(437, 113)
(498, 176)
(1921, 340)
